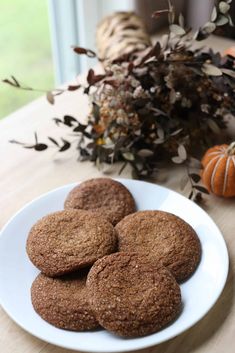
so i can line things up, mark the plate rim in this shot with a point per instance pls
(141, 345)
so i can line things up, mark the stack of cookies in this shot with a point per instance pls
(104, 264)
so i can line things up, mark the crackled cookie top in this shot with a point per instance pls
(63, 301)
(165, 237)
(68, 240)
(108, 197)
(132, 295)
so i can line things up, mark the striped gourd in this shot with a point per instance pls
(218, 172)
(119, 34)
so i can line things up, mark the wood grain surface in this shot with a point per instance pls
(25, 174)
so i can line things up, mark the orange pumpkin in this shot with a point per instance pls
(218, 172)
(230, 51)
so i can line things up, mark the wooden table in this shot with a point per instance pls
(25, 174)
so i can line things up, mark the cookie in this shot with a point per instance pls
(131, 295)
(63, 302)
(165, 237)
(108, 197)
(68, 240)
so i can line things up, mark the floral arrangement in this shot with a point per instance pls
(167, 103)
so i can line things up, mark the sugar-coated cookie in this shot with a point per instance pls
(63, 301)
(65, 241)
(164, 237)
(108, 197)
(131, 295)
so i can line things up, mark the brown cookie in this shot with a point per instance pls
(164, 237)
(108, 197)
(131, 295)
(63, 302)
(66, 241)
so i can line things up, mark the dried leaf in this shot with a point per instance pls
(182, 152)
(176, 132)
(160, 133)
(201, 189)
(164, 41)
(81, 51)
(198, 197)
(69, 120)
(230, 20)
(224, 7)
(137, 132)
(128, 156)
(65, 146)
(40, 147)
(87, 90)
(179, 31)
(177, 160)
(221, 20)
(213, 126)
(153, 52)
(214, 14)
(80, 128)
(200, 35)
(228, 72)
(156, 50)
(145, 153)
(181, 20)
(211, 70)
(195, 177)
(57, 121)
(92, 78)
(158, 141)
(73, 87)
(50, 97)
(209, 27)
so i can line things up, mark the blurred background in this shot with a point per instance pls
(26, 53)
(36, 38)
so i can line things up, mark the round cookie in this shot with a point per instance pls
(63, 302)
(108, 197)
(131, 295)
(164, 237)
(68, 240)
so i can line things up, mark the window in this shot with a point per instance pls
(25, 51)
(74, 22)
(36, 38)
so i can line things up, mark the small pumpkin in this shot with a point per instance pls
(230, 51)
(218, 172)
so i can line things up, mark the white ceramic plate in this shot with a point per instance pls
(199, 293)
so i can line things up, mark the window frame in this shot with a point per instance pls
(73, 22)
